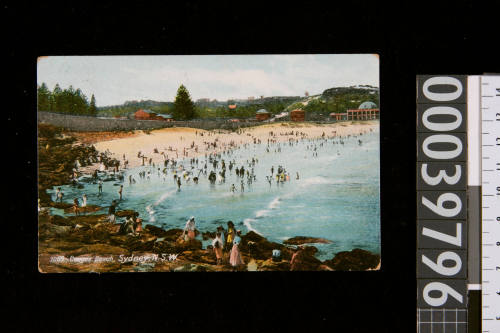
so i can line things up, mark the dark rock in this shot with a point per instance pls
(88, 219)
(355, 260)
(125, 213)
(208, 235)
(59, 220)
(154, 230)
(169, 235)
(172, 246)
(168, 247)
(199, 256)
(305, 261)
(270, 265)
(173, 234)
(189, 245)
(133, 243)
(255, 246)
(298, 240)
(60, 205)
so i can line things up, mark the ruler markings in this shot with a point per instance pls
(490, 103)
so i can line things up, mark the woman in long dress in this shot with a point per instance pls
(235, 259)
(217, 245)
(189, 228)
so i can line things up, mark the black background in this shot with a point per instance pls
(439, 38)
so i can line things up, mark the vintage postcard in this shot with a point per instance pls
(208, 163)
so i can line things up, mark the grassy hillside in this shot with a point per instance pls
(318, 106)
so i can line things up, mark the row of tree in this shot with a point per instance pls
(68, 101)
(72, 101)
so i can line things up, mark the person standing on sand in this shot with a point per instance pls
(235, 259)
(120, 191)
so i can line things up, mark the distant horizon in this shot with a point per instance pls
(115, 80)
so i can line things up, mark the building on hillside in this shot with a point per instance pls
(366, 111)
(143, 115)
(150, 115)
(232, 106)
(165, 117)
(298, 115)
(262, 115)
(338, 116)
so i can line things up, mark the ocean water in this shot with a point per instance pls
(336, 196)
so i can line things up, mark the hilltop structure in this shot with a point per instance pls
(366, 111)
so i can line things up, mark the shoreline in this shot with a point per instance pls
(90, 236)
(173, 142)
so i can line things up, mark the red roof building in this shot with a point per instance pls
(298, 115)
(143, 115)
(262, 115)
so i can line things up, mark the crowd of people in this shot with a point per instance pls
(213, 162)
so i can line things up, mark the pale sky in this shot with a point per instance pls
(116, 79)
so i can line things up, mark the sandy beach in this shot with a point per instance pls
(89, 243)
(174, 142)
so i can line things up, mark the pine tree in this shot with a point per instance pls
(92, 107)
(43, 98)
(183, 105)
(57, 99)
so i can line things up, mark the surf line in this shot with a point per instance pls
(261, 213)
(149, 208)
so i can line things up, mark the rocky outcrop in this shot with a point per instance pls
(298, 240)
(125, 213)
(355, 260)
(306, 261)
(255, 246)
(208, 235)
(167, 235)
(270, 265)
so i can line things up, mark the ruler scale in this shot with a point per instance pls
(458, 203)
(490, 211)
